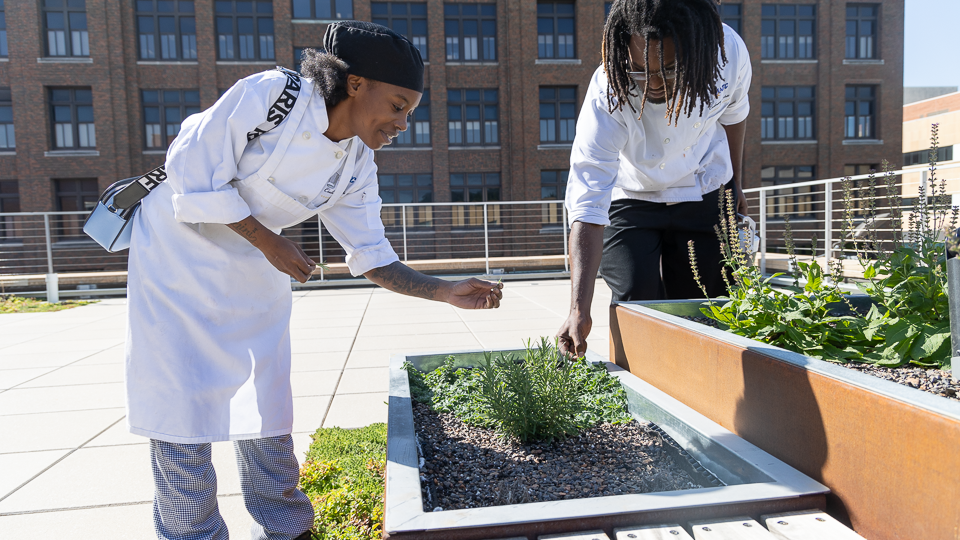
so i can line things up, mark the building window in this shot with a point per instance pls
(475, 187)
(944, 153)
(65, 22)
(787, 31)
(8, 137)
(553, 187)
(72, 114)
(298, 57)
(3, 31)
(418, 127)
(472, 117)
(786, 112)
(74, 195)
(9, 202)
(861, 31)
(244, 30)
(405, 18)
(471, 32)
(555, 30)
(730, 13)
(323, 10)
(796, 202)
(606, 10)
(861, 194)
(858, 110)
(167, 30)
(163, 111)
(558, 114)
(406, 189)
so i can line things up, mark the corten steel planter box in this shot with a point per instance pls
(890, 454)
(753, 482)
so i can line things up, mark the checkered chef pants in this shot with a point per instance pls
(185, 500)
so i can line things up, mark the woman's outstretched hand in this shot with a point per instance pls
(475, 293)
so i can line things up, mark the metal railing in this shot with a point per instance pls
(506, 237)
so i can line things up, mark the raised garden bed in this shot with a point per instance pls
(887, 452)
(753, 482)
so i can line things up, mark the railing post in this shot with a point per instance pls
(763, 232)
(320, 242)
(486, 240)
(403, 216)
(566, 257)
(827, 225)
(53, 286)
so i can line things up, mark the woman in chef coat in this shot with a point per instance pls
(208, 346)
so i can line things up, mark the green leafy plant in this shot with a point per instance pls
(908, 320)
(343, 476)
(17, 304)
(537, 395)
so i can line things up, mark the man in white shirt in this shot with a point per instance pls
(659, 138)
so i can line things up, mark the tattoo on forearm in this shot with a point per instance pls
(250, 233)
(402, 279)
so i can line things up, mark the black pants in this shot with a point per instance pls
(645, 253)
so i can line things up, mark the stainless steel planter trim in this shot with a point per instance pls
(751, 474)
(672, 311)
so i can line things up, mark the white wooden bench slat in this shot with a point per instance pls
(652, 532)
(810, 525)
(742, 528)
(585, 535)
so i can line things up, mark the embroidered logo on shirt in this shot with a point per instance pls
(353, 179)
(332, 183)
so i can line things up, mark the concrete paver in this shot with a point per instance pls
(62, 399)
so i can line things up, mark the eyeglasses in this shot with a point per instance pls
(641, 76)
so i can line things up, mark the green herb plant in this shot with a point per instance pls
(908, 320)
(538, 395)
(343, 476)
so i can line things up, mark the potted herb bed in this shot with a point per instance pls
(627, 455)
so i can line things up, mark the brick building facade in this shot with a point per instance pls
(95, 89)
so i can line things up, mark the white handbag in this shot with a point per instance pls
(111, 221)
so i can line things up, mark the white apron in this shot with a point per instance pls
(208, 345)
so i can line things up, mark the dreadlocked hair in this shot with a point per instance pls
(329, 75)
(697, 33)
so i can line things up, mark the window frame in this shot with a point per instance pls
(69, 227)
(471, 217)
(795, 117)
(736, 18)
(555, 33)
(313, 11)
(8, 132)
(777, 19)
(417, 122)
(409, 18)
(483, 104)
(774, 210)
(4, 50)
(857, 37)
(68, 38)
(857, 101)
(180, 17)
(557, 102)
(73, 103)
(479, 18)
(922, 157)
(417, 217)
(9, 224)
(184, 106)
(234, 16)
(552, 214)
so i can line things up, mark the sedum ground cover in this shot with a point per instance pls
(17, 304)
(343, 475)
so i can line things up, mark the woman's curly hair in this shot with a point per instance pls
(697, 33)
(329, 75)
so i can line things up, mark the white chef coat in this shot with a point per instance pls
(208, 343)
(616, 156)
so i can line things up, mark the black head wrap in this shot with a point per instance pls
(375, 52)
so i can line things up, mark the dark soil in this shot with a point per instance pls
(934, 381)
(468, 467)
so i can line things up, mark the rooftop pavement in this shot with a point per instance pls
(69, 468)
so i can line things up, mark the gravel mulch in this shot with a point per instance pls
(468, 467)
(934, 381)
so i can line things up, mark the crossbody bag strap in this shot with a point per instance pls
(141, 187)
